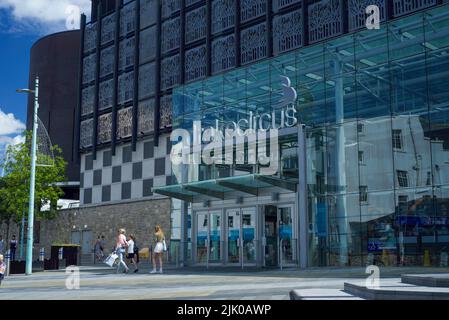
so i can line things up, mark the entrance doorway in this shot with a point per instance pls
(86, 247)
(76, 237)
(208, 237)
(241, 236)
(227, 236)
(280, 245)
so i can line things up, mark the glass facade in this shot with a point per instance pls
(376, 108)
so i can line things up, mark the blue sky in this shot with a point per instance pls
(22, 23)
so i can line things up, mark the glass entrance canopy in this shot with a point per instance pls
(225, 188)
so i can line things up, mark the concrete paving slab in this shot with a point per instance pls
(321, 294)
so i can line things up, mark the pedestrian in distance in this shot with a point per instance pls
(131, 252)
(98, 250)
(136, 251)
(2, 244)
(120, 249)
(159, 248)
(2, 269)
(103, 244)
(13, 247)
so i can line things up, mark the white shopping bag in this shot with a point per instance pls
(110, 260)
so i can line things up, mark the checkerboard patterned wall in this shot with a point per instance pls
(127, 175)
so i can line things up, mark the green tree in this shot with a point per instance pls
(5, 215)
(15, 189)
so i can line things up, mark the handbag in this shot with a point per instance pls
(164, 245)
(111, 259)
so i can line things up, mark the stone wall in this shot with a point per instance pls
(137, 217)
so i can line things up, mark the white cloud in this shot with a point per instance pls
(10, 130)
(6, 141)
(42, 16)
(9, 124)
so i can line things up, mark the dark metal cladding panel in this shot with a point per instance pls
(56, 59)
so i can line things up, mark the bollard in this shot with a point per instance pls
(42, 254)
(8, 261)
(427, 262)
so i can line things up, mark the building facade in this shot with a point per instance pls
(55, 59)
(361, 180)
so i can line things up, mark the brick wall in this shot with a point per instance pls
(137, 217)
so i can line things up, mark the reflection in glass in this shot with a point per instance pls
(285, 234)
(233, 235)
(201, 238)
(215, 237)
(249, 235)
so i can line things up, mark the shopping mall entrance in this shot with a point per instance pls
(279, 241)
(254, 236)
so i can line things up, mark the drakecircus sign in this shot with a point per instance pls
(253, 140)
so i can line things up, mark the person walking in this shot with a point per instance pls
(103, 244)
(158, 249)
(120, 249)
(2, 244)
(13, 247)
(2, 269)
(98, 250)
(131, 252)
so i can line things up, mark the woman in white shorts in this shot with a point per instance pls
(158, 249)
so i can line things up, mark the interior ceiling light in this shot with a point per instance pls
(313, 76)
(430, 46)
(345, 53)
(408, 35)
(368, 62)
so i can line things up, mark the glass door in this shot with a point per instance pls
(215, 237)
(286, 241)
(271, 236)
(233, 218)
(202, 228)
(249, 243)
(279, 236)
(241, 236)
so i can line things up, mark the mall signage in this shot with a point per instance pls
(249, 137)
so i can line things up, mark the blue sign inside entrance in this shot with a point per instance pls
(248, 234)
(285, 232)
(234, 234)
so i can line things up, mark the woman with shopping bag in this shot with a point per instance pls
(120, 249)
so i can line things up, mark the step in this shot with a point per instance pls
(321, 294)
(427, 280)
(396, 290)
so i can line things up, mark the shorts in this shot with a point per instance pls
(130, 256)
(159, 247)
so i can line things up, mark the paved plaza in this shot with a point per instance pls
(99, 283)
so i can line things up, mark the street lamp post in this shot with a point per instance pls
(29, 251)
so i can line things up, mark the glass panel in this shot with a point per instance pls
(343, 238)
(286, 234)
(233, 218)
(412, 157)
(215, 237)
(374, 153)
(249, 235)
(201, 237)
(406, 37)
(271, 236)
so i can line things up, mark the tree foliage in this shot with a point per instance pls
(15, 185)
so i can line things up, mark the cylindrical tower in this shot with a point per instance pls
(55, 59)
